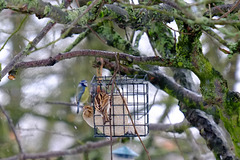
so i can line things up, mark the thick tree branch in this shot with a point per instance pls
(40, 8)
(96, 53)
(170, 3)
(211, 132)
(156, 78)
(196, 118)
(161, 81)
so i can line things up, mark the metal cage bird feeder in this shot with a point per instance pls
(128, 99)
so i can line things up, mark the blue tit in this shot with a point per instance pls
(82, 93)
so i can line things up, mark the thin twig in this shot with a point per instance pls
(125, 103)
(47, 131)
(70, 27)
(227, 13)
(37, 39)
(154, 99)
(62, 103)
(153, 48)
(217, 8)
(18, 28)
(110, 110)
(175, 139)
(113, 79)
(79, 17)
(89, 146)
(133, 123)
(210, 10)
(174, 128)
(117, 69)
(29, 47)
(80, 37)
(194, 145)
(176, 30)
(99, 74)
(10, 122)
(95, 33)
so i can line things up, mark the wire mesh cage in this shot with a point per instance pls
(128, 106)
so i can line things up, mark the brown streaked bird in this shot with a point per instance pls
(88, 115)
(102, 105)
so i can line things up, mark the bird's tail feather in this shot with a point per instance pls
(78, 106)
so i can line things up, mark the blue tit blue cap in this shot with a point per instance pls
(83, 83)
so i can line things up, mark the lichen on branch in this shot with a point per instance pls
(213, 86)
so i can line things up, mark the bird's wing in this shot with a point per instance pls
(79, 95)
(101, 101)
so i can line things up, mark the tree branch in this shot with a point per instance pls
(13, 128)
(210, 131)
(237, 4)
(167, 62)
(217, 11)
(29, 47)
(89, 146)
(156, 78)
(40, 8)
(161, 81)
(175, 128)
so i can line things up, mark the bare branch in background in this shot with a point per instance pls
(175, 128)
(62, 103)
(13, 129)
(29, 47)
(230, 10)
(89, 146)
(218, 10)
(107, 22)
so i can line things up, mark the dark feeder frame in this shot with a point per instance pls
(135, 92)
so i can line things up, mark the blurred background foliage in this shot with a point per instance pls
(44, 127)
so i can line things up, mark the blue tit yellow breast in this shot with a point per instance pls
(85, 95)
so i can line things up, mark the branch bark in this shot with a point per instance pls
(167, 62)
(40, 8)
(211, 132)
(157, 79)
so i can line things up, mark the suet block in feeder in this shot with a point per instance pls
(128, 102)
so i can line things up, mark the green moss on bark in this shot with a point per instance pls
(213, 86)
(2, 4)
